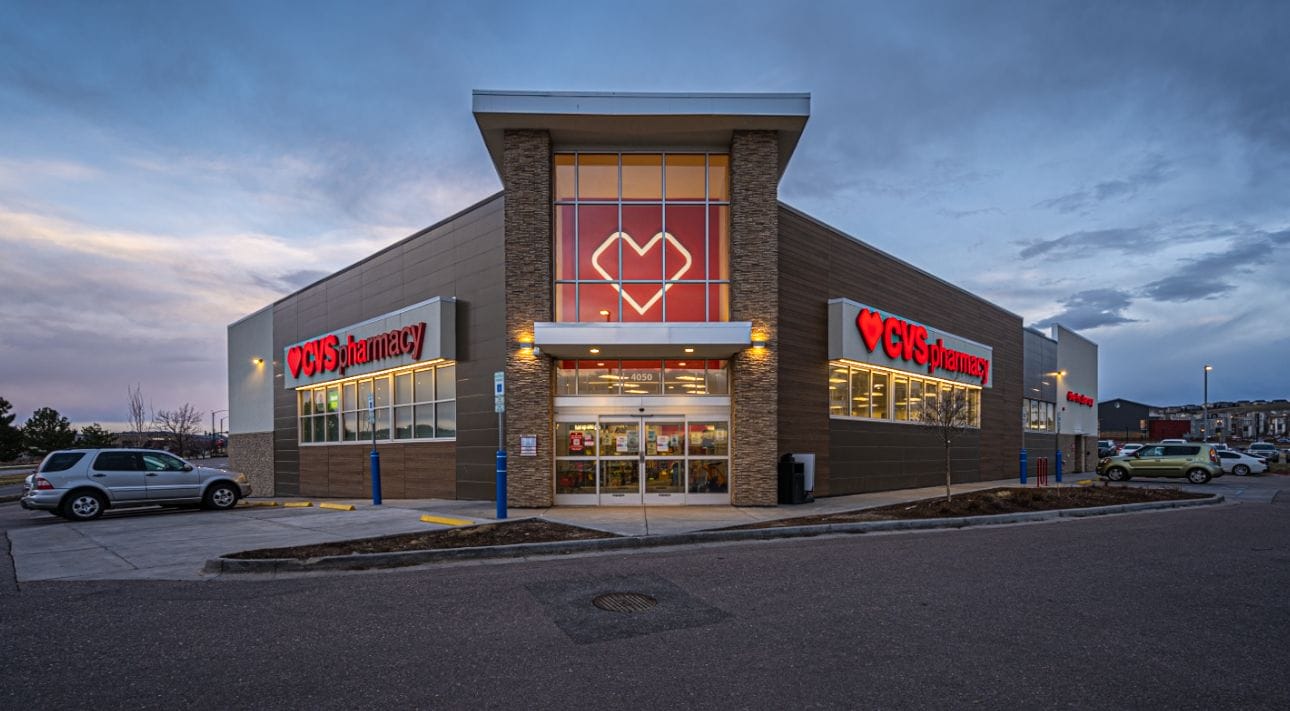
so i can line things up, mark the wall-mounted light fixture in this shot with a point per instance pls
(257, 361)
(689, 350)
(759, 343)
(604, 313)
(593, 351)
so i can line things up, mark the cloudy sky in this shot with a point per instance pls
(165, 168)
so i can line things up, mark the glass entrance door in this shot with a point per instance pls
(642, 460)
(631, 460)
(620, 461)
(664, 461)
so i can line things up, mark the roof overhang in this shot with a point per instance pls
(643, 340)
(616, 120)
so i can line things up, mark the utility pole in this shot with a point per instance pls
(1204, 427)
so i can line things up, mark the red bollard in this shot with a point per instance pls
(1041, 472)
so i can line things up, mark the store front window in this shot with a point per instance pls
(1038, 416)
(866, 392)
(413, 403)
(628, 460)
(642, 377)
(642, 237)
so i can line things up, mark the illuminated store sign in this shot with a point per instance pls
(327, 354)
(1073, 396)
(424, 331)
(867, 335)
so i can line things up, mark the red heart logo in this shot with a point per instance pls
(870, 325)
(294, 355)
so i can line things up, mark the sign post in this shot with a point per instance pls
(499, 404)
(376, 457)
(1058, 457)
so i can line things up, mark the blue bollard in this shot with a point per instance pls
(501, 484)
(1059, 466)
(1023, 466)
(376, 478)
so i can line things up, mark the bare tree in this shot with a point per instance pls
(139, 419)
(179, 425)
(951, 415)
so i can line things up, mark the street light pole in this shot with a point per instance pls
(1204, 425)
(211, 442)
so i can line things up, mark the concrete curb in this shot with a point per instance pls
(368, 561)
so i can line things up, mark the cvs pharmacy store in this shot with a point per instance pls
(666, 330)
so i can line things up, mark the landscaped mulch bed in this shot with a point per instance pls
(1014, 499)
(488, 534)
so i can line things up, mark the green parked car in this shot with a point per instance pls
(1197, 461)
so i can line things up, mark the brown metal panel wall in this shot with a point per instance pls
(459, 257)
(818, 263)
(880, 456)
(1037, 444)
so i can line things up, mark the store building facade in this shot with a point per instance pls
(1059, 407)
(666, 330)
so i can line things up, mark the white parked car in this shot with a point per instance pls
(1241, 464)
(1130, 448)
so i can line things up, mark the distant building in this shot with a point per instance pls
(1247, 420)
(1122, 418)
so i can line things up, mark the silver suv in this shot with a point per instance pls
(79, 484)
(1267, 450)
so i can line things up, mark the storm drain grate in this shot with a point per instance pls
(624, 602)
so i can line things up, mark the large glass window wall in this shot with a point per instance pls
(866, 392)
(414, 403)
(642, 236)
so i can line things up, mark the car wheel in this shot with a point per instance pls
(83, 506)
(1197, 476)
(220, 497)
(1117, 474)
(1241, 470)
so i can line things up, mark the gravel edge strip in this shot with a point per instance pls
(368, 561)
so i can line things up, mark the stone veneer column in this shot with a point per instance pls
(754, 296)
(526, 176)
(251, 453)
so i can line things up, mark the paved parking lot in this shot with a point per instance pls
(173, 544)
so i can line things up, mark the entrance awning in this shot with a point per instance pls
(643, 340)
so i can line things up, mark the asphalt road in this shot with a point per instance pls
(1176, 609)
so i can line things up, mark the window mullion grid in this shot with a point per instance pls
(620, 241)
(662, 208)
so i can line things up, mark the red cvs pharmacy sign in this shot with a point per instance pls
(329, 354)
(908, 341)
(1072, 396)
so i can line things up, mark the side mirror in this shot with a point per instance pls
(188, 467)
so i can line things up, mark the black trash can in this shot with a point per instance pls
(792, 480)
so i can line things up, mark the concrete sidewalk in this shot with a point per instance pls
(173, 544)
